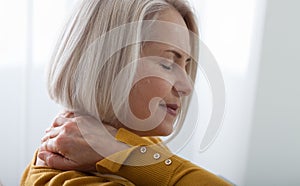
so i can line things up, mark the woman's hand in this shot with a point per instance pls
(77, 143)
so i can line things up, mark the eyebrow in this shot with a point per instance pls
(178, 55)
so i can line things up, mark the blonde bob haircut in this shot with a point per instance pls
(80, 78)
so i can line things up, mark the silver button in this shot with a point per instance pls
(168, 162)
(156, 156)
(143, 150)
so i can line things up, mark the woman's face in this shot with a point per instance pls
(161, 74)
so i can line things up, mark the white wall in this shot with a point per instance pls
(275, 141)
(25, 114)
(27, 33)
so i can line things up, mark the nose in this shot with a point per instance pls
(183, 84)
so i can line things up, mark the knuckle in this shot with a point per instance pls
(60, 140)
(43, 147)
(70, 123)
(57, 119)
(69, 126)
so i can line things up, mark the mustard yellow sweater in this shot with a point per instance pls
(146, 163)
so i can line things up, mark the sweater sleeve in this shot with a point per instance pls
(192, 175)
(150, 163)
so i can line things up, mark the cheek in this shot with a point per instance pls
(145, 90)
(154, 87)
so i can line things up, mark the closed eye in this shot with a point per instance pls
(165, 66)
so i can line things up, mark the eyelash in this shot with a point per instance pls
(166, 66)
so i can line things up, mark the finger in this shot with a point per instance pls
(59, 121)
(48, 129)
(56, 161)
(45, 138)
(79, 114)
(52, 133)
(69, 115)
(63, 114)
(49, 145)
(55, 123)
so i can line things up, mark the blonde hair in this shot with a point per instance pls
(81, 74)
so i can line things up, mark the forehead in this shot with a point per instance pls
(168, 29)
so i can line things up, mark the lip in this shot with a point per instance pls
(172, 109)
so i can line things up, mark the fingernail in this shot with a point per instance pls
(44, 138)
(65, 114)
(48, 129)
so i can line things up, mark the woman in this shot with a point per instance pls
(127, 64)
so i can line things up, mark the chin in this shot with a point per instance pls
(165, 133)
(158, 131)
(163, 130)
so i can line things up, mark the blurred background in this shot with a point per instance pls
(256, 45)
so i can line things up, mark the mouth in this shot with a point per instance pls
(172, 109)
